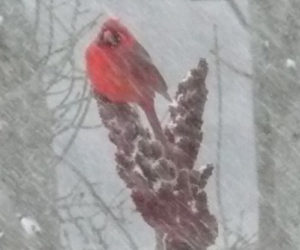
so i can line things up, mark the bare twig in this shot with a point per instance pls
(103, 205)
(232, 67)
(238, 13)
(219, 138)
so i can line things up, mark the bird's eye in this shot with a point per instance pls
(117, 37)
(111, 38)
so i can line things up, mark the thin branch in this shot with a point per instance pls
(219, 138)
(103, 204)
(238, 13)
(57, 160)
(232, 67)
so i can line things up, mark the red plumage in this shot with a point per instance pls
(120, 69)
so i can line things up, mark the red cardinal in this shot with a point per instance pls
(121, 70)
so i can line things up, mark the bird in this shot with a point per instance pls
(121, 70)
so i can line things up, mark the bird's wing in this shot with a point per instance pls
(145, 69)
(140, 50)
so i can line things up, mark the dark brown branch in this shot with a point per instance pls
(168, 193)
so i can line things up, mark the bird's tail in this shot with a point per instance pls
(167, 96)
(154, 122)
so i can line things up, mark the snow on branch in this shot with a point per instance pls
(168, 193)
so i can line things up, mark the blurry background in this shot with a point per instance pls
(57, 164)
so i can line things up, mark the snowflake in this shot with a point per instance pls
(290, 63)
(30, 225)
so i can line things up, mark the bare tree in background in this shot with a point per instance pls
(32, 65)
(84, 216)
(274, 30)
(275, 49)
(28, 181)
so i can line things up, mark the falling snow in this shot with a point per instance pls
(290, 63)
(57, 160)
(30, 225)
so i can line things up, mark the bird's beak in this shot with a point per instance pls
(108, 37)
